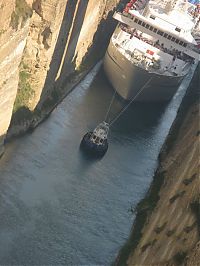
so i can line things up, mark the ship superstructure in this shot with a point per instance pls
(153, 44)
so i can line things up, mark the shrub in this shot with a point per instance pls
(25, 92)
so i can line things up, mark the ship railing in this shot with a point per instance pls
(148, 64)
(176, 53)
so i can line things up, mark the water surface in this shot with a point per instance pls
(58, 207)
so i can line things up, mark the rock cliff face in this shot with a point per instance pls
(43, 33)
(171, 211)
(14, 23)
(61, 38)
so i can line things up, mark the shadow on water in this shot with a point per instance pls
(2, 137)
(62, 207)
(99, 96)
(140, 115)
(85, 160)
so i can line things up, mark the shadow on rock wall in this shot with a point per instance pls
(61, 65)
(2, 141)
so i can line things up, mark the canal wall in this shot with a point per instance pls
(166, 230)
(14, 26)
(53, 46)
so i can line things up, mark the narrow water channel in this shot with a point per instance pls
(57, 207)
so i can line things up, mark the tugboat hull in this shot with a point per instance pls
(91, 148)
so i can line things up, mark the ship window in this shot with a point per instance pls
(147, 26)
(177, 41)
(160, 32)
(184, 44)
(181, 43)
(165, 35)
(143, 24)
(154, 30)
(139, 22)
(151, 28)
(152, 17)
(136, 20)
(173, 39)
(169, 37)
(178, 29)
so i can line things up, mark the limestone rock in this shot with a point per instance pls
(12, 43)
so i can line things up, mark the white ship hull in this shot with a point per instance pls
(128, 79)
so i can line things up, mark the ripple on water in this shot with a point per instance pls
(59, 207)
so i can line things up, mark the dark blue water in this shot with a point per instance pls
(57, 207)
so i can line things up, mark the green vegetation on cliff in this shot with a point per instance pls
(25, 92)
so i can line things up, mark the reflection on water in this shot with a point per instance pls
(57, 206)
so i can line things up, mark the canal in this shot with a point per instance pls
(58, 207)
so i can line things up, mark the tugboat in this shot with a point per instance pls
(96, 142)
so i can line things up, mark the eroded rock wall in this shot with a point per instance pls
(61, 39)
(13, 34)
(44, 29)
(170, 233)
(172, 230)
(60, 36)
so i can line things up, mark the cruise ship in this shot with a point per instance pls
(153, 48)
